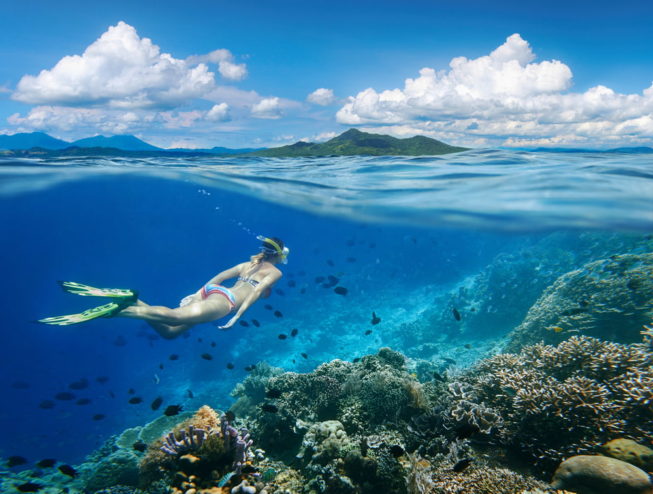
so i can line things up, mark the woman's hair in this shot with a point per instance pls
(268, 251)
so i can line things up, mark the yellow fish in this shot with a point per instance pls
(556, 329)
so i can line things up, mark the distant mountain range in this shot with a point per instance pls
(355, 142)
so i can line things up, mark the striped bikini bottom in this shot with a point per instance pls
(210, 288)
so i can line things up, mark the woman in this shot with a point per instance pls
(213, 301)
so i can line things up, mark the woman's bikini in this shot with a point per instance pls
(211, 288)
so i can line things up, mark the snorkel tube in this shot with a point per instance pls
(270, 246)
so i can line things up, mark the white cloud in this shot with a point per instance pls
(505, 95)
(225, 61)
(219, 113)
(267, 108)
(119, 70)
(322, 97)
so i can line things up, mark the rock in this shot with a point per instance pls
(586, 474)
(631, 452)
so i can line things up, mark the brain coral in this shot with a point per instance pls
(607, 299)
(554, 402)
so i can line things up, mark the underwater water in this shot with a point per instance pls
(449, 252)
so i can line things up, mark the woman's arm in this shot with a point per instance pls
(265, 284)
(225, 275)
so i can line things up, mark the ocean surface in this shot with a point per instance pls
(409, 238)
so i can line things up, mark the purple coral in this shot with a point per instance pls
(239, 440)
(191, 440)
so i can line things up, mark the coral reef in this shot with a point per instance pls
(554, 402)
(607, 299)
(628, 450)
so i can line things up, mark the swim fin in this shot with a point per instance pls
(91, 291)
(106, 310)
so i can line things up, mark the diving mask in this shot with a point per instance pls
(273, 247)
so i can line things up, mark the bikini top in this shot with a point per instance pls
(251, 281)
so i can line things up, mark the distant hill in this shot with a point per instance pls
(355, 142)
(124, 142)
(31, 140)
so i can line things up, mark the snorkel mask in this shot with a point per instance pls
(271, 247)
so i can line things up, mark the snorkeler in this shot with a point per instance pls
(213, 301)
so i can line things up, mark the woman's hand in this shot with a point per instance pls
(230, 323)
(187, 300)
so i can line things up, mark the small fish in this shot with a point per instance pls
(161, 366)
(462, 464)
(269, 408)
(375, 319)
(302, 291)
(207, 356)
(555, 329)
(456, 314)
(200, 340)
(437, 376)
(29, 487)
(174, 356)
(213, 344)
(305, 355)
(319, 279)
(98, 416)
(77, 385)
(249, 368)
(230, 366)
(190, 394)
(340, 290)
(139, 446)
(282, 336)
(277, 313)
(368, 332)
(256, 323)
(102, 379)
(449, 360)
(294, 332)
(267, 307)
(243, 323)
(135, 400)
(112, 394)
(273, 393)
(46, 463)
(46, 404)
(14, 461)
(356, 360)
(68, 470)
(468, 346)
(83, 401)
(172, 410)
(64, 396)
(330, 262)
(156, 403)
(279, 291)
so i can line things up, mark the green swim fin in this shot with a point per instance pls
(91, 291)
(106, 310)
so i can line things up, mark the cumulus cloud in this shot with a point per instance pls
(322, 97)
(267, 108)
(118, 70)
(505, 95)
(225, 61)
(219, 113)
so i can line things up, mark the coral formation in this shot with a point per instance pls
(607, 299)
(554, 402)
(628, 450)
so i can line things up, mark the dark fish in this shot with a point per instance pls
(68, 470)
(243, 323)
(396, 450)
(200, 340)
(230, 365)
(273, 393)
(357, 359)
(282, 336)
(81, 384)
(267, 306)
(161, 366)
(14, 461)
(102, 379)
(46, 463)
(449, 360)
(249, 368)
(305, 355)
(135, 400)
(64, 396)
(156, 403)
(207, 356)
(468, 346)
(46, 404)
(256, 323)
(269, 407)
(369, 331)
(20, 385)
(279, 291)
(139, 446)
(112, 394)
(462, 464)
(319, 279)
(294, 361)
(278, 313)
(332, 279)
(302, 291)
(375, 319)
(29, 487)
(438, 377)
(456, 314)
(172, 410)
(340, 290)
(294, 332)
(330, 262)
(98, 416)
(131, 391)
(213, 344)
(292, 283)
(190, 393)
(83, 401)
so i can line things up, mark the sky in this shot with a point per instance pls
(199, 74)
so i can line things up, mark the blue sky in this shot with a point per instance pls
(235, 74)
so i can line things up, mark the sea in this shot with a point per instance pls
(403, 237)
